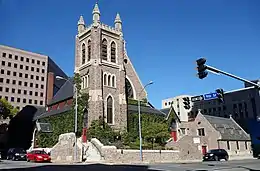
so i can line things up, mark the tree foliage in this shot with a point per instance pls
(6, 109)
(65, 122)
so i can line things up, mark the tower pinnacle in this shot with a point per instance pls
(81, 24)
(96, 9)
(96, 15)
(118, 22)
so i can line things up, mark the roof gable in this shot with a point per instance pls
(170, 112)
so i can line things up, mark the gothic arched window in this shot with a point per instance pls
(109, 110)
(105, 79)
(109, 80)
(83, 54)
(104, 49)
(89, 50)
(129, 89)
(113, 52)
(113, 81)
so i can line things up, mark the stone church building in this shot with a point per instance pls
(106, 70)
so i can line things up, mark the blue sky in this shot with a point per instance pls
(164, 38)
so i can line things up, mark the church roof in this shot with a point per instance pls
(228, 128)
(64, 93)
(145, 109)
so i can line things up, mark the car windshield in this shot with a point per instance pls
(213, 151)
(40, 152)
(19, 150)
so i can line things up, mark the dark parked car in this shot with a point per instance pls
(16, 154)
(216, 155)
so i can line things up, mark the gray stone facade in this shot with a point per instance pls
(94, 69)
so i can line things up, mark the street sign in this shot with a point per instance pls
(210, 96)
(197, 98)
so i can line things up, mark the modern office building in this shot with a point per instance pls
(27, 78)
(241, 104)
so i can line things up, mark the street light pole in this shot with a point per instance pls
(139, 120)
(76, 114)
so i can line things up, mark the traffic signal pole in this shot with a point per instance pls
(231, 75)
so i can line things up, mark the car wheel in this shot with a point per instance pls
(226, 158)
(216, 158)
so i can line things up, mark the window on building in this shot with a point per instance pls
(43, 70)
(1, 88)
(21, 66)
(31, 76)
(14, 73)
(33, 61)
(19, 91)
(1, 80)
(26, 75)
(3, 63)
(32, 68)
(30, 93)
(83, 54)
(41, 102)
(201, 132)
(89, 50)
(36, 85)
(6, 98)
(30, 101)
(37, 69)
(12, 99)
(4, 55)
(237, 145)
(10, 56)
(9, 64)
(25, 92)
(15, 65)
(25, 84)
(18, 99)
(26, 67)
(7, 89)
(228, 145)
(41, 94)
(37, 77)
(42, 78)
(36, 93)
(104, 49)
(24, 100)
(43, 63)
(105, 79)
(22, 58)
(113, 52)
(14, 82)
(31, 84)
(27, 60)
(7, 81)
(20, 74)
(109, 80)
(113, 81)
(2, 71)
(109, 110)
(35, 102)
(38, 62)
(19, 82)
(16, 57)
(13, 90)
(42, 86)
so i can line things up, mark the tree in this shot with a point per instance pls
(6, 109)
(64, 123)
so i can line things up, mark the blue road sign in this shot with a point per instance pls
(210, 96)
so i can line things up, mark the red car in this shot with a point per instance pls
(38, 156)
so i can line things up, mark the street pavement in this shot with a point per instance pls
(236, 165)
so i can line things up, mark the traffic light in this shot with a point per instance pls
(186, 102)
(220, 95)
(201, 67)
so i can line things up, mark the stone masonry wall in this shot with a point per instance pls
(112, 154)
(63, 151)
